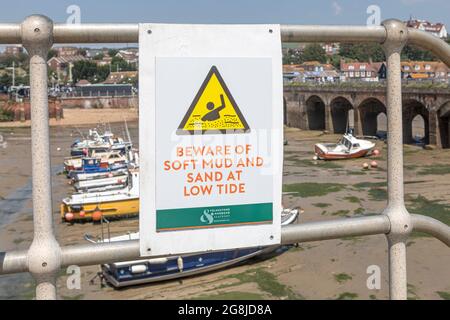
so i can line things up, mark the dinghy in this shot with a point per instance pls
(347, 148)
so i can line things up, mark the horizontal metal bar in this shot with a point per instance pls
(96, 33)
(91, 254)
(129, 33)
(334, 229)
(431, 226)
(10, 34)
(13, 262)
(312, 33)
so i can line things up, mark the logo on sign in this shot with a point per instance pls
(207, 217)
(213, 110)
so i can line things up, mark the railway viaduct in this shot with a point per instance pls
(328, 107)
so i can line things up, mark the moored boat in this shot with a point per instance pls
(347, 148)
(113, 181)
(95, 165)
(116, 203)
(123, 274)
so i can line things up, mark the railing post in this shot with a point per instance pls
(401, 227)
(44, 255)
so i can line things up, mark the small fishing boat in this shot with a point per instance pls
(123, 274)
(79, 176)
(110, 181)
(106, 158)
(100, 143)
(95, 165)
(116, 203)
(347, 148)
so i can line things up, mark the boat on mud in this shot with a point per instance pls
(100, 143)
(98, 183)
(95, 165)
(128, 273)
(348, 147)
(103, 202)
(106, 158)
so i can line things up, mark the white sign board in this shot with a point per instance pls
(210, 137)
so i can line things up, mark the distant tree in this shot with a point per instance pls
(118, 64)
(112, 52)
(19, 59)
(314, 52)
(89, 70)
(99, 56)
(82, 52)
(52, 53)
(362, 52)
(416, 54)
(292, 56)
(335, 60)
(5, 80)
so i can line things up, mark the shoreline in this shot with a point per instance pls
(74, 117)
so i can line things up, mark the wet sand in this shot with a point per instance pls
(319, 270)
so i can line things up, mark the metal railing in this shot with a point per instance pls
(46, 257)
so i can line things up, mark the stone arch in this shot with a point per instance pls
(411, 109)
(369, 110)
(340, 108)
(444, 124)
(315, 112)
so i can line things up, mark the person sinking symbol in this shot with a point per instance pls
(214, 114)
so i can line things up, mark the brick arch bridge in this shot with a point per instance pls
(328, 107)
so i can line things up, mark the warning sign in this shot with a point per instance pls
(213, 110)
(211, 132)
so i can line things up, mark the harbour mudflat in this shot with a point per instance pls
(334, 269)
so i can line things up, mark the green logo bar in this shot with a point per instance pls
(213, 217)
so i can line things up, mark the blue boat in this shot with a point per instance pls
(129, 273)
(94, 165)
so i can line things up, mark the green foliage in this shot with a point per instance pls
(314, 52)
(21, 59)
(90, 71)
(347, 296)
(118, 64)
(312, 189)
(444, 295)
(433, 209)
(112, 52)
(98, 57)
(266, 282)
(362, 52)
(416, 54)
(342, 277)
(52, 53)
(5, 80)
(292, 56)
(436, 169)
(6, 115)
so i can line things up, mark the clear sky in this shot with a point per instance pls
(228, 11)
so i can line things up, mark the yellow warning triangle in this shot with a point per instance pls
(213, 110)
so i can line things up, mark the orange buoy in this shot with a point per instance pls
(376, 152)
(374, 164)
(69, 216)
(97, 215)
(365, 165)
(82, 214)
